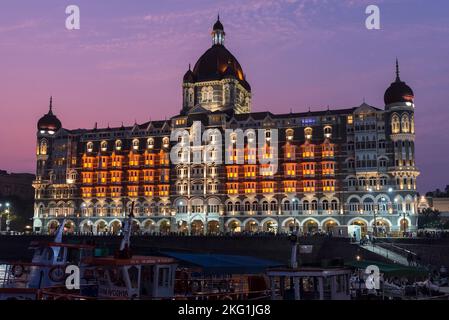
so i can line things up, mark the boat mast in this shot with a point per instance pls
(59, 232)
(125, 244)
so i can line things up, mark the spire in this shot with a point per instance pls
(397, 70)
(50, 111)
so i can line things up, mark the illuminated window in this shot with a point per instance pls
(43, 147)
(350, 119)
(250, 171)
(267, 187)
(136, 144)
(327, 131)
(328, 185)
(104, 146)
(134, 160)
(232, 188)
(405, 123)
(290, 169)
(148, 175)
(232, 172)
(308, 133)
(289, 186)
(328, 168)
(309, 186)
(395, 124)
(133, 176)
(308, 169)
(90, 146)
(118, 145)
(328, 150)
(308, 151)
(163, 190)
(289, 134)
(133, 191)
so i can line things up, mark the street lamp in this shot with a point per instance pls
(8, 214)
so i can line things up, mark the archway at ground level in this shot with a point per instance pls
(69, 226)
(292, 225)
(234, 226)
(86, 227)
(183, 227)
(197, 227)
(164, 227)
(404, 225)
(330, 225)
(381, 228)
(270, 226)
(115, 227)
(213, 227)
(310, 226)
(363, 226)
(149, 226)
(53, 226)
(102, 227)
(251, 226)
(135, 226)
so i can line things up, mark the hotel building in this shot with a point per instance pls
(335, 167)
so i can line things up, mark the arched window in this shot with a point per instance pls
(289, 134)
(334, 205)
(273, 206)
(265, 206)
(150, 143)
(237, 206)
(305, 205)
(412, 124)
(287, 205)
(314, 205)
(90, 146)
(405, 123)
(325, 205)
(327, 131)
(308, 133)
(353, 205)
(247, 206)
(395, 124)
(118, 145)
(43, 147)
(136, 144)
(104, 146)
(229, 207)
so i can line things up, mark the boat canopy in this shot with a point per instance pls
(223, 263)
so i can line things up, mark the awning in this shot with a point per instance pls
(223, 263)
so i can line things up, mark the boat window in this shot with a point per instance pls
(116, 277)
(133, 276)
(163, 278)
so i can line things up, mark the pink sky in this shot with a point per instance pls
(127, 62)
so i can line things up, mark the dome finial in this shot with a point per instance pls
(50, 111)
(397, 70)
(218, 33)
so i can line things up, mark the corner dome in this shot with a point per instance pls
(49, 121)
(398, 91)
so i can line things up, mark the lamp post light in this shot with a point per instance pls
(6, 211)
